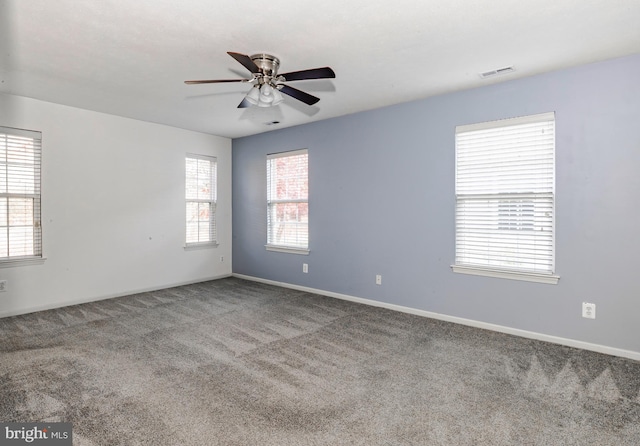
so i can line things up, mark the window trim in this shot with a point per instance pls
(24, 261)
(200, 245)
(285, 248)
(213, 203)
(480, 270)
(551, 279)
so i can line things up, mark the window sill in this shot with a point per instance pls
(501, 274)
(196, 246)
(301, 251)
(10, 263)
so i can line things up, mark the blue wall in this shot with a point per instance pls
(382, 202)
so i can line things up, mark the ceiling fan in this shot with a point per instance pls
(268, 84)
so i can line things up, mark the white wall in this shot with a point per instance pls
(113, 210)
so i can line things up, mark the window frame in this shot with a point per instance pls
(509, 203)
(212, 201)
(291, 249)
(37, 257)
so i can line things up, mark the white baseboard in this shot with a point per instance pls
(53, 305)
(458, 320)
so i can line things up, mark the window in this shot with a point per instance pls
(20, 229)
(505, 188)
(288, 202)
(200, 191)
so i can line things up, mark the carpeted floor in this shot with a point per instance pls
(231, 362)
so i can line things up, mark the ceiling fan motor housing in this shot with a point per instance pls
(267, 63)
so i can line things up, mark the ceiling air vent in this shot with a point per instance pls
(499, 71)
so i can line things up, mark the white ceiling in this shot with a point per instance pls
(130, 58)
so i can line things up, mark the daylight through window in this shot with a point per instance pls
(505, 192)
(20, 228)
(200, 182)
(288, 200)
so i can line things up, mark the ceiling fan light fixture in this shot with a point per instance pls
(265, 101)
(253, 97)
(277, 97)
(266, 90)
(266, 96)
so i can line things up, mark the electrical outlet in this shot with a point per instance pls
(378, 279)
(221, 259)
(588, 310)
(305, 268)
(3, 285)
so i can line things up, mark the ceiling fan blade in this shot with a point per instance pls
(298, 94)
(218, 81)
(245, 61)
(313, 73)
(244, 103)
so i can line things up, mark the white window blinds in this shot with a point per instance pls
(200, 191)
(288, 200)
(20, 228)
(505, 179)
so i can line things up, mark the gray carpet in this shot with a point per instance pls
(232, 362)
